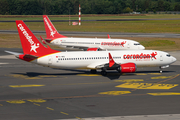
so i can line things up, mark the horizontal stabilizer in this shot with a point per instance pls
(43, 40)
(13, 53)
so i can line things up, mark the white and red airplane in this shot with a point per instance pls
(124, 61)
(89, 44)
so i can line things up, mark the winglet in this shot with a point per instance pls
(108, 36)
(111, 61)
(92, 49)
(51, 31)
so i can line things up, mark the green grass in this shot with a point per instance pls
(155, 26)
(150, 26)
(89, 16)
(165, 44)
(152, 43)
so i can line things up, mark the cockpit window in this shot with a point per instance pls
(137, 44)
(168, 55)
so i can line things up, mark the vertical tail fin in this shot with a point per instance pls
(30, 44)
(51, 31)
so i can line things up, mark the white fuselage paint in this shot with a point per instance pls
(103, 44)
(94, 59)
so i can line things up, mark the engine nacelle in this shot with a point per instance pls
(127, 68)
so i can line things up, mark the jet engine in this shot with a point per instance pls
(127, 68)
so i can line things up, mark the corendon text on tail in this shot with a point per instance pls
(124, 61)
(89, 44)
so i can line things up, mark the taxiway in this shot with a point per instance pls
(29, 91)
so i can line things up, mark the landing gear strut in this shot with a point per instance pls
(160, 71)
(103, 72)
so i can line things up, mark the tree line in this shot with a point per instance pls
(66, 7)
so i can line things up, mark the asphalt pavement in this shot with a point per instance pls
(29, 91)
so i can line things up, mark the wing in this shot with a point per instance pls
(112, 65)
(82, 48)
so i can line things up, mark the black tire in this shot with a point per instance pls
(118, 69)
(93, 71)
(104, 73)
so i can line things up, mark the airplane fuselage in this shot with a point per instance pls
(102, 44)
(94, 59)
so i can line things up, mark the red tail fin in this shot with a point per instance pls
(30, 43)
(51, 31)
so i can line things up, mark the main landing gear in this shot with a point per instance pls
(103, 72)
(93, 71)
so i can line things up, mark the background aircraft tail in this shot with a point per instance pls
(30, 44)
(51, 31)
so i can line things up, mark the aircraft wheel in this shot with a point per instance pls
(93, 71)
(118, 69)
(104, 73)
(160, 71)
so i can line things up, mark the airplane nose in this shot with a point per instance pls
(174, 59)
(142, 47)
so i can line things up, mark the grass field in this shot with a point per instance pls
(165, 44)
(90, 17)
(149, 26)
